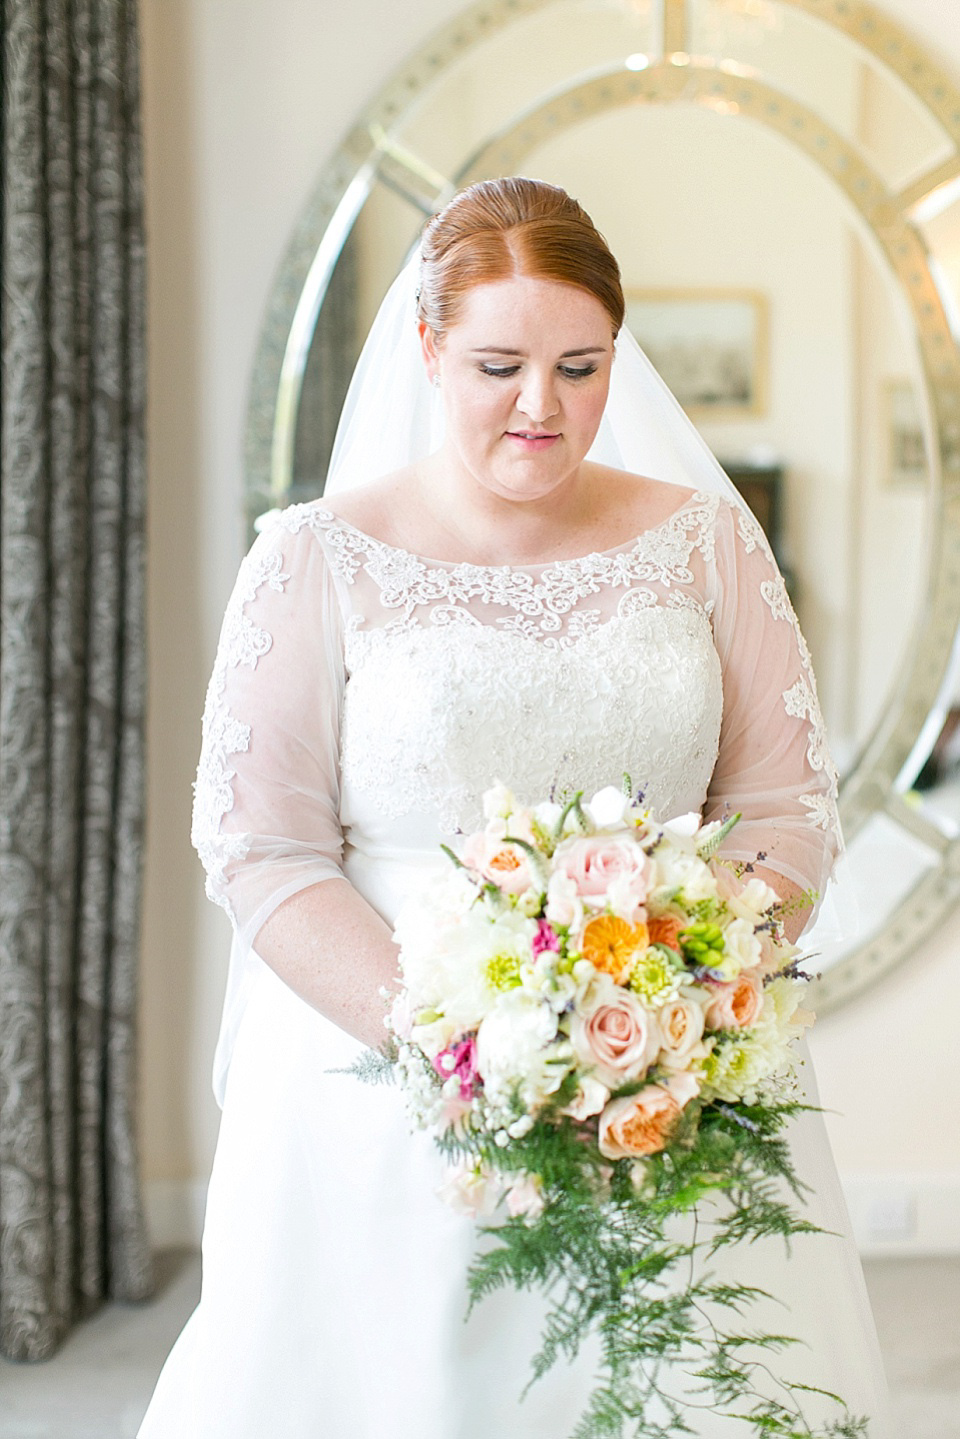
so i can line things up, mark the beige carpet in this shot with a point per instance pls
(97, 1387)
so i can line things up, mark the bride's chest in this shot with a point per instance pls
(434, 713)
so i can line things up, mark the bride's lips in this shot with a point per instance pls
(532, 439)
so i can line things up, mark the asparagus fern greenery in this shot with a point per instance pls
(626, 1262)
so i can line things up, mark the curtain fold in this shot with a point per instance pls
(72, 665)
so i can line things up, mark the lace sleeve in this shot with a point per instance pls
(265, 817)
(773, 766)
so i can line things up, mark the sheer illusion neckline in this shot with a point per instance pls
(572, 561)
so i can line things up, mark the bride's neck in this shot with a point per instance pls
(469, 521)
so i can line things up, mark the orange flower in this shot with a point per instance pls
(665, 930)
(641, 1123)
(611, 944)
(504, 860)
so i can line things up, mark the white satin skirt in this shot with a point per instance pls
(334, 1291)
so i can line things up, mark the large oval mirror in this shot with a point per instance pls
(780, 180)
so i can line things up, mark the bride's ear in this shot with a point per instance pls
(430, 350)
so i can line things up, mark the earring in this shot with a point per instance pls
(436, 382)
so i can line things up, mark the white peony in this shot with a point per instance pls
(515, 1050)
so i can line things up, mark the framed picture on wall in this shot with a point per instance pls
(906, 452)
(710, 346)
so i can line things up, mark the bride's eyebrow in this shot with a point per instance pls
(567, 354)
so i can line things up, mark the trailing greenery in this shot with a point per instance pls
(622, 1254)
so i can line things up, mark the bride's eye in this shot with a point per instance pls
(500, 371)
(569, 372)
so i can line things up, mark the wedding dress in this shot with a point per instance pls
(363, 698)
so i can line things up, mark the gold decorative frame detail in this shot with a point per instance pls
(760, 354)
(916, 711)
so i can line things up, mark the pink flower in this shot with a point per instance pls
(736, 1005)
(501, 863)
(595, 862)
(642, 1123)
(460, 1059)
(618, 1037)
(525, 1197)
(546, 937)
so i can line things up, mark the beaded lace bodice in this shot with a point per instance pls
(365, 693)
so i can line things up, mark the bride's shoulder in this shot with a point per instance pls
(373, 507)
(642, 502)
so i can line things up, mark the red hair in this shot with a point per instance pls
(513, 226)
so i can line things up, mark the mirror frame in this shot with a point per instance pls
(915, 712)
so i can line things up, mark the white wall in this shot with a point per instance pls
(243, 102)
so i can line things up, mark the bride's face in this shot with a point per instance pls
(524, 376)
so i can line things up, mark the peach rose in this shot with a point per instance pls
(505, 865)
(617, 1035)
(641, 1123)
(736, 1005)
(665, 929)
(681, 1024)
(595, 861)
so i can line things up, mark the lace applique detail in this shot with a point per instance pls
(468, 701)
(241, 643)
(750, 531)
(801, 702)
(541, 603)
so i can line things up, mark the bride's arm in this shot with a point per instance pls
(335, 951)
(266, 813)
(773, 767)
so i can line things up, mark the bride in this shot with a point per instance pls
(529, 569)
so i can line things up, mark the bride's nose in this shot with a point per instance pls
(538, 399)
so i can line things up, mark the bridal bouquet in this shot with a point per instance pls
(596, 1024)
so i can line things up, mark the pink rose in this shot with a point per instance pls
(681, 1024)
(641, 1123)
(501, 863)
(617, 1036)
(736, 1005)
(596, 861)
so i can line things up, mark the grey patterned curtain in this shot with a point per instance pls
(71, 664)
